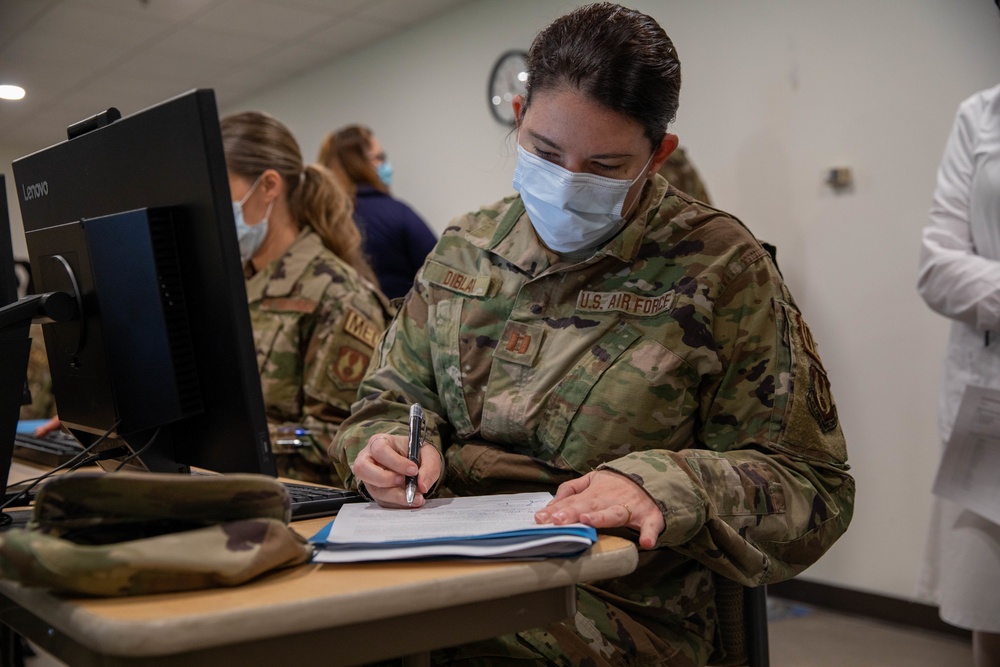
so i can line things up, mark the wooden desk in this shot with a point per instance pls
(314, 614)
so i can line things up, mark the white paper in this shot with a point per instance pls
(521, 549)
(500, 526)
(969, 473)
(439, 518)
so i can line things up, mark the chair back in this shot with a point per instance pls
(742, 634)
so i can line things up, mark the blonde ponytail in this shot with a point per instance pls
(255, 141)
(319, 201)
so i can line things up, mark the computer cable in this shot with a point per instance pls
(72, 464)
(138, 452)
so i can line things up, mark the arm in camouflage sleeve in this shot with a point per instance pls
(335, 355)
(765, 490)
(401, 373)
(323, 391)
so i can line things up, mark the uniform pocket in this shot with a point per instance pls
(278, 343)
(446, 357)
(629, 393)
(265, 333)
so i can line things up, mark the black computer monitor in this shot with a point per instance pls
(8, 272)
(133, 218)
(14, 346)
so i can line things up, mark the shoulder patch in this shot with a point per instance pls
(820, 400)
(349, 366)
(807, 340)
(362, 328)
(812, 425)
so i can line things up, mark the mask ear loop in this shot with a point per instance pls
(643, 172)
(267, 213)
(250, 191)
(270, 206)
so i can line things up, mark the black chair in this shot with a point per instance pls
(742, 615)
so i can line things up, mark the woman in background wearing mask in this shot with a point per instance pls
(608, 338)
(315, 311)
(395, 239)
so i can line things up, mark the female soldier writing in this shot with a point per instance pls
(608, 338)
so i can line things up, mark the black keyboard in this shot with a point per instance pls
(316, 501)
(58, 447)
(51, 450)
(307, 501)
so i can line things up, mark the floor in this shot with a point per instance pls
(801, 636)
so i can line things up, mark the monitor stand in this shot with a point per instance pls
(15, 347)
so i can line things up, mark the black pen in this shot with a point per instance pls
(413, 453)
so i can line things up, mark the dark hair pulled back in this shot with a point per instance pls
(619, 57)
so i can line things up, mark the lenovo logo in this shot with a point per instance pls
(34, 191)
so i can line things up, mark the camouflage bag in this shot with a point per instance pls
(136, 533)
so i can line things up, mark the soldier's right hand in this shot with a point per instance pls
(383, 467)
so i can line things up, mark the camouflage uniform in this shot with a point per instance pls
(675, 356)
(43, 404)
(315, 323)
(139, 533)
(681, 174)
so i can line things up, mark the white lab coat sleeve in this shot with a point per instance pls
(953, 279)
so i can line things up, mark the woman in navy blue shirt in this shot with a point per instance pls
(395, 239)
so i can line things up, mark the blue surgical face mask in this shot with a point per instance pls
(570, 211)
(250, 236)
(384, 171)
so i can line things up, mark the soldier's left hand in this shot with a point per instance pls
(605, 499)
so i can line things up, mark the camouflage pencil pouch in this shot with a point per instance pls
(137, 533)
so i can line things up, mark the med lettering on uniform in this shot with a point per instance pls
(362, 328)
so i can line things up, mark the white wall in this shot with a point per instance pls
(775, 92)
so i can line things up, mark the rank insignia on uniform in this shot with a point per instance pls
(349, 366)
(820, 400)
(362, 328)
(519, 343)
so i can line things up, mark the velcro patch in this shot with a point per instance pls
(520, 343)
(349, 366)
(362, 328)
(820, 400)
(624, 302)
(456, 281)
(288, 305)
(807, 340)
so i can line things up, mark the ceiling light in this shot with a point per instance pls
(8, 92)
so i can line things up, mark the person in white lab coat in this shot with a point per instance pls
(959, 278)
